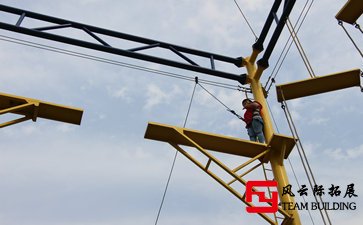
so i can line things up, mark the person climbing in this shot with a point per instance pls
(253, 120)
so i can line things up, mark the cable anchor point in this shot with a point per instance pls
(283, 106)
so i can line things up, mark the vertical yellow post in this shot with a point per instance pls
(276, 155)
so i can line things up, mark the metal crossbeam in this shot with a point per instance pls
(258, 46)
(318, 85)
(219, 143)
(214, 142)
(102, 45)
(351, 11)
(33, 109)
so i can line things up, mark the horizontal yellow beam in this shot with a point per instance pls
(351, 11)
(279, 141)
(216, 142)
(318, 85)
(33, 108)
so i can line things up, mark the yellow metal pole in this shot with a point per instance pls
(276, 155)
(259, 96)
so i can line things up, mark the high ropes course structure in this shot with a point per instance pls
(273, 153)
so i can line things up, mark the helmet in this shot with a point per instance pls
(245, 100)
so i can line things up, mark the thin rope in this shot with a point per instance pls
(303, 156)
(291, 166)
(114, 62)
(175, 156)
(300, 49)
(355, 45)
(215, 97)
(245, 18)
(228, 109)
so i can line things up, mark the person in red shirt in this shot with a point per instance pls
(253, 119)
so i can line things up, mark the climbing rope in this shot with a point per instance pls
(176, 155)
(303, 157)
(346, 32)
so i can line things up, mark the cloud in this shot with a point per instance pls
(348, 154)
(318, 120)
(156, 96)
(121, 93)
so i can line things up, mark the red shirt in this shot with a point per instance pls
(248, 116)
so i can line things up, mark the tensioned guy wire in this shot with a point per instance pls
(176, 155)
(245, 18)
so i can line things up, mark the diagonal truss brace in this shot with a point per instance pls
(31, 109)
(103, 45)
(15, 109)
(236, 177)
(278, 147)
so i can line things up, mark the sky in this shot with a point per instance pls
(105, 172)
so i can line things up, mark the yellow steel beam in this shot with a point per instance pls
(223, 183)
(12, 122)
(286, 143)
(200, 140)
(277, 153)
(245, 173)
(33, 108)
(318, 85)
(250, 161)
(219, 143)
(214, 142)
(351, 11)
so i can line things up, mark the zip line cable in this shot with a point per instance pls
(302, 154)
(176, 155)
(291, 166)
(346, 32)
(287, 46)
(117, 63)
(245, 18)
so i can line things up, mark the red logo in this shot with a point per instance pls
(261, 197)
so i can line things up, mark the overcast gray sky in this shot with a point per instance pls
(105, 172)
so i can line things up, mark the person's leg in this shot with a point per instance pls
(251, 133)
(257, 126)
